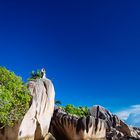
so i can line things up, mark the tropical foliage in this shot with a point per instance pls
(78, 111)
(14, 97)
(35, 75)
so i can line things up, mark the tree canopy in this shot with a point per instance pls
(14, 97)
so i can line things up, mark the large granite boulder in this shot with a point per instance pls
(100, 124)
(67, 127)
(116, 128)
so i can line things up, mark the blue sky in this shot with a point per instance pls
(90, 49)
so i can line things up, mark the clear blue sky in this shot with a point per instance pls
(91, 49)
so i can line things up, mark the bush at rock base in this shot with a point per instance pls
(14, 97)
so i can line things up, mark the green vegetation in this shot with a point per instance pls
(35, 75)
(78, 111)
(14, 97)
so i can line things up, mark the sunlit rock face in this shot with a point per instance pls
(41, 109)
(102, 113)
(99, 125)
(68, 127)
(116, 128)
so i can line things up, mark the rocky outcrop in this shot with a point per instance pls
(40, 111)
(68, 127)
(99, 125)
(116, 128)
(65, 126)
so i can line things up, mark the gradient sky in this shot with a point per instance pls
(90, 49)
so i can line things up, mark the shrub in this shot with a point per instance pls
(14, 97)
(78, 111)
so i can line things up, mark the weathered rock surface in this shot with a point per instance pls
(41, 109)
(98, 124)
(116, 128)
(68, 127)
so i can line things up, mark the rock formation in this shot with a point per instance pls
(99, 125)
(68, 127)
(40, 111)
(43, 121)
(116, 128)
(102, 123)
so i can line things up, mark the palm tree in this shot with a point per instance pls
(35, 75)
